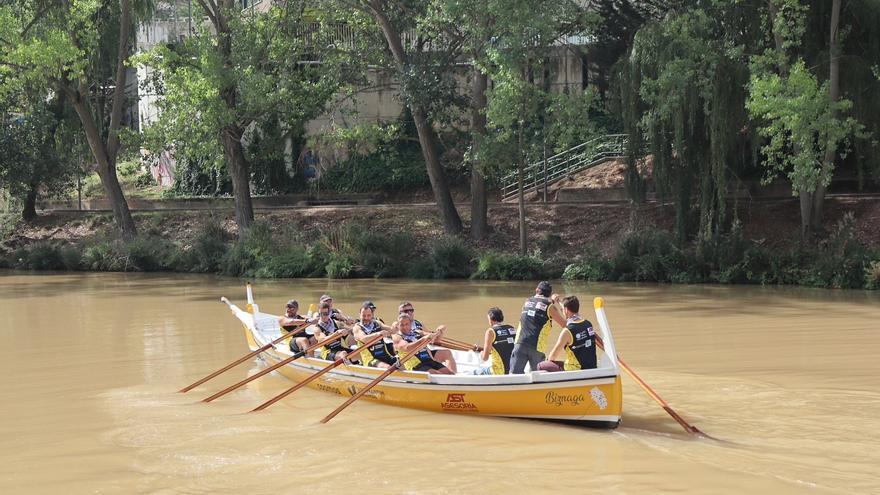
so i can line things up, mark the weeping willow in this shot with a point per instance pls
(682, 93)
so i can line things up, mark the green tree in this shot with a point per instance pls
(79, 49)
(682, 95)
(803, 120)
(31, 131)
(525, 116)
(245, 71)
(397, 36)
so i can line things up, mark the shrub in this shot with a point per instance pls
(291, 261)
(339, 266)
(648, 257)
(501, 266)
(150, 254)
(421, 268)
(841, 260)
(244, 256)
(389, 168)
(141, 254)
(40, 256)
(872, 275)
(8, 223)
(207, 251)
(450, 257)
(71, 258)
(591, 266)
(375, 254)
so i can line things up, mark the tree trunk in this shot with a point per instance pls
(806, 202)
(834, 96)
(442, 194)
(239, 171)
(105, 152)
(521, 199)
(479, 205)
(427, 137)
(106, 168)
(230, 135)
(29, 212)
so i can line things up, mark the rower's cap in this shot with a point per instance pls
(325, 297)
(293, 303)
(369, 304)
(545, 288)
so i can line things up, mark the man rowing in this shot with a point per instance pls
(290, 321)
(442, 355)
(335, 313)
(381, 354)
(405, 340)
(327, 326)
(534, 326)
(577, 340)
(498, 344)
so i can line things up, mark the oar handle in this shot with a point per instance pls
(420, 344)
(313, 377)
(332, 338)
(458, 346)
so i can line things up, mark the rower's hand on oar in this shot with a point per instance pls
(437, 335)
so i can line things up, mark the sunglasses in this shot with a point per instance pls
(325, 314)
(408, 310)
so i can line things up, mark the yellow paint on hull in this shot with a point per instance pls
(589, 400)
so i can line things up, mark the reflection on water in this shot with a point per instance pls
(92, 362)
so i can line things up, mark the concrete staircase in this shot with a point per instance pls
(581, 157)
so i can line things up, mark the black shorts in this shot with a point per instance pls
(428, 365)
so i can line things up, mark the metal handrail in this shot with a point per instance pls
(572, 160)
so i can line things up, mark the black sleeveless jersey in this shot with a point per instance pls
(291, 328)
(503, 346)
(336, 345)
(424, 354)
(381, 350)
(583, 344)
(533, 320)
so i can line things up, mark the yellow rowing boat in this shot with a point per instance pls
(591, 397)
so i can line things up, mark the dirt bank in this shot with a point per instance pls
(601, 225)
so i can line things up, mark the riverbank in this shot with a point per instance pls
(577, 241)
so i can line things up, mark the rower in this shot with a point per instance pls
(497, 344)
(290, 321)
(578, 339)
(328, 326)
(534, 325)
(404, 342)
(381, 354)
(335, 313)
(442, 355)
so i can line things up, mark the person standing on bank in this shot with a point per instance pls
(534, 325)
(578, 339)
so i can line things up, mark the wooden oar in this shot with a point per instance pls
(420, 344)
(693, 430)
(244, 358)
(314, 377)
(333, 337)
(458, 346)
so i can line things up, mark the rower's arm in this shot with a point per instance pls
(287, 322)
(359, 333)
(556, 315)
(487, 345)
(563, 340)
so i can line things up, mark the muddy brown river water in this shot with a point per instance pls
(789, 378)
